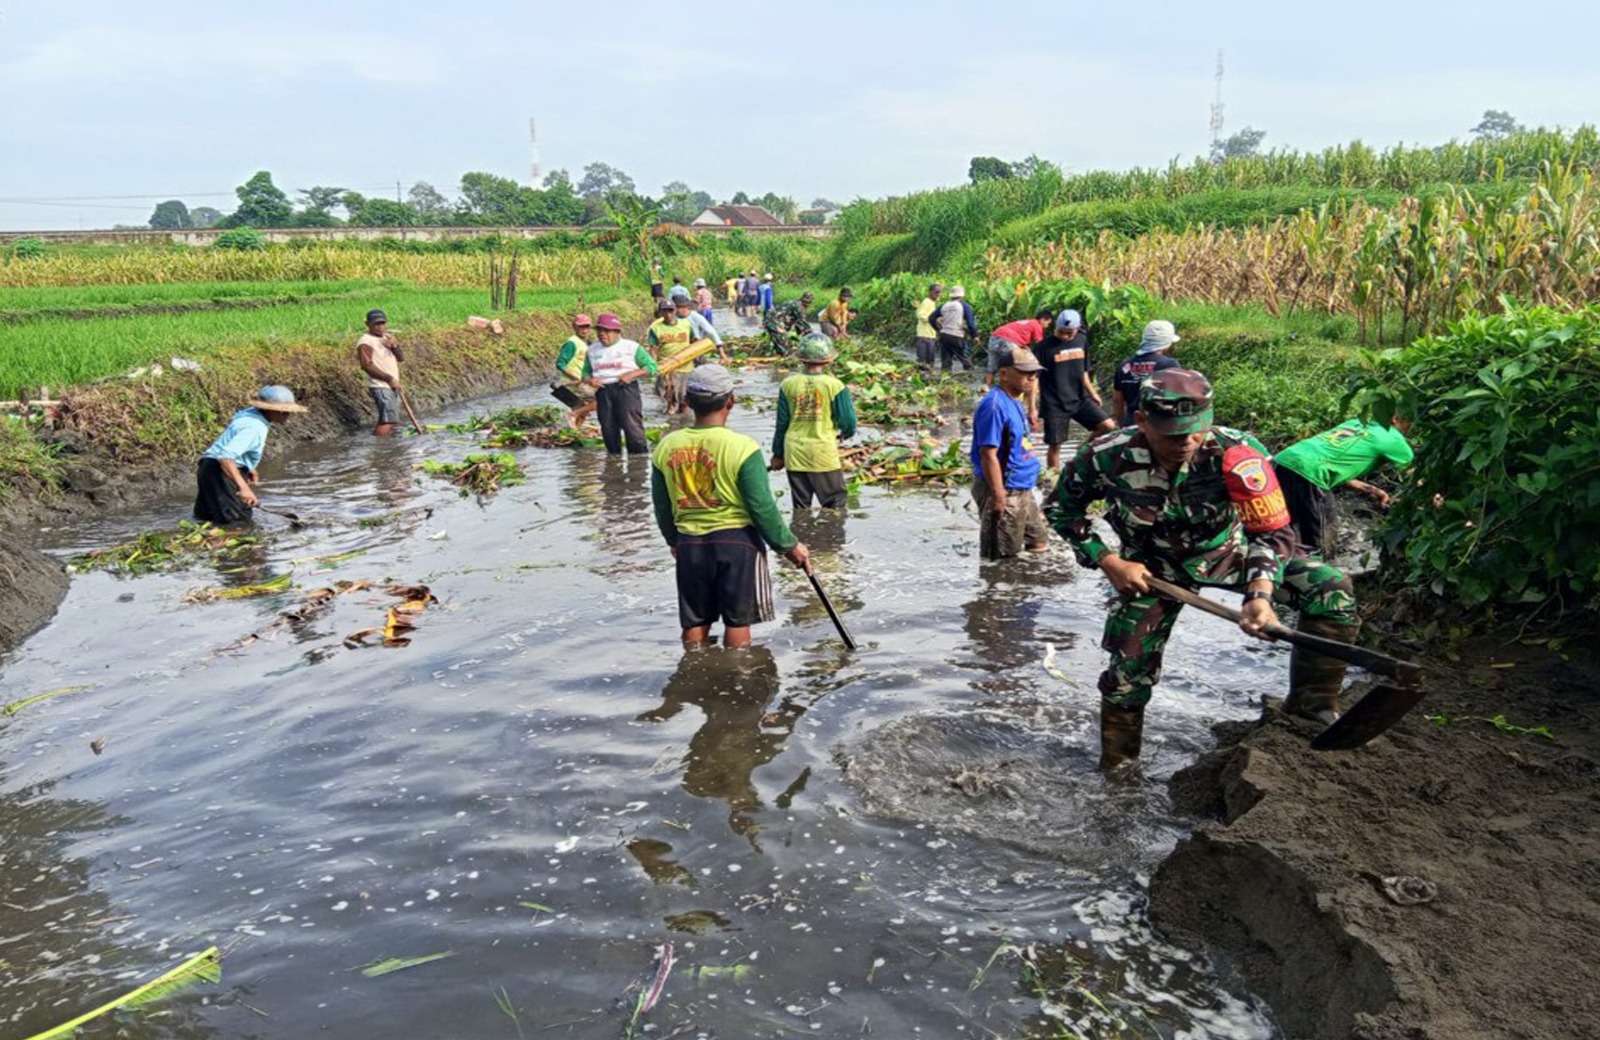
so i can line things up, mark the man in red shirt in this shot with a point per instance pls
(1024, 332)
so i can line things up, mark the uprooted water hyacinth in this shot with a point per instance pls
(479, 473)
(163, 550)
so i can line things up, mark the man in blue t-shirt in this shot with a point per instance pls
(1005, 469)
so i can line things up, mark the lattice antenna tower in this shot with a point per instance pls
(533, 152)
(1216, 111)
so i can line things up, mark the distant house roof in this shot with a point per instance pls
(737, 216)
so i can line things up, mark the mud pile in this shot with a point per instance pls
(1440, 884)
(31, 588)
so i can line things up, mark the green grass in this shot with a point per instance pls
(61, 352)
(18, 302)
(25, 462)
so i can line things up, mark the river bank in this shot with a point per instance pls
(1439, 884)
(118, 445)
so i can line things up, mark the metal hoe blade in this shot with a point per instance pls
(1382, 707)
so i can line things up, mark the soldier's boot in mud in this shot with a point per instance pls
(1121, 732)
(1314, 679)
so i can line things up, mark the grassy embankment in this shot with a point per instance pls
(77, 318)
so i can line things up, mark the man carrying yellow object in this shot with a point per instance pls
(668, 337)
(815, 412)
(715, 508)
(570, 388)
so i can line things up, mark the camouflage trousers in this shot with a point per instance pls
(1138, 629)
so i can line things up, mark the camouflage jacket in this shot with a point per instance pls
(787, 321)
(1184, 527)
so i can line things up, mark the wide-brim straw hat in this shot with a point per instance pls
(276, 399)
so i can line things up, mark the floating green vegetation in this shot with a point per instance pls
(928, 462)
(390, 965)
(216, 593)
(205, 966)
(166, 550)
(17, 705)
(478, 474)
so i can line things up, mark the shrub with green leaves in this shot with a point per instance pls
(1505, 497)
(26, 249)
(241, 238)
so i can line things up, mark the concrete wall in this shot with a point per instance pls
(206, 236)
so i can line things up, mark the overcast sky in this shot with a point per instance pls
(822, 98)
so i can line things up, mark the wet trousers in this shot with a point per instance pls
(621, 408)
(952, 348)
(1137, 631)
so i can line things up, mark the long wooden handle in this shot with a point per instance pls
(409, 413)
(1368, 659)
(827, 604)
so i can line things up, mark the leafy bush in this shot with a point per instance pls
(1505, 502)
(26, 249)
(241, 238)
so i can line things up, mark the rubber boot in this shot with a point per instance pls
(1121, 732)
(1314, 679)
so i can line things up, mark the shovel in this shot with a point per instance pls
(1383, 706)
(295, 523)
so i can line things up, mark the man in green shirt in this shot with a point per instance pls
(815, 412)
(570, 388)
(715, 508)
(1312, 469)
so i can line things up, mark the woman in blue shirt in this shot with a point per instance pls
(227, 469)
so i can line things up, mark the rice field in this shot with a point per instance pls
(59, 352)
(22, 304)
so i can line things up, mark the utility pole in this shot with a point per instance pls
(1216, 115)
(397, 197)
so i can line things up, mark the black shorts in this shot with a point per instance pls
(216, 500)
(723, 575)
(827, 488)
(1086, 412)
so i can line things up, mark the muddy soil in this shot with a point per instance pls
(1442, 884)
(31, 588)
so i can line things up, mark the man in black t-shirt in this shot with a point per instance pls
(1066, 391)
(1154, 355)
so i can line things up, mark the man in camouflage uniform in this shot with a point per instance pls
(786, 325)
(1167, 499)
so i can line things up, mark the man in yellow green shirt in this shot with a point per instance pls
(715, 508)
(928, 336)
(570, 389)
(815, 412)
(668, 337)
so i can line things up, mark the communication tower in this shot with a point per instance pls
(1216, 112)
(533, 150)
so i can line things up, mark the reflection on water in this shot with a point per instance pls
(545, 785)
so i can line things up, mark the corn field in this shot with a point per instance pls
(136, 266)
(1400, 272)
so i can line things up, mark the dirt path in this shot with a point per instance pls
(1504, 828)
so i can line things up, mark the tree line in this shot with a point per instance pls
(484, 200)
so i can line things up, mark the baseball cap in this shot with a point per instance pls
(582, 319)
(709, 381)
(376, 315)
(609, 322)
(1176, 400)
(1021, 359)
(1158, 336)
(1069, 319)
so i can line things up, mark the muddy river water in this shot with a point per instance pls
(908, 840)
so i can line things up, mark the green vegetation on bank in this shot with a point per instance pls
(945, 223)
(31, 304)
(1504, 499)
